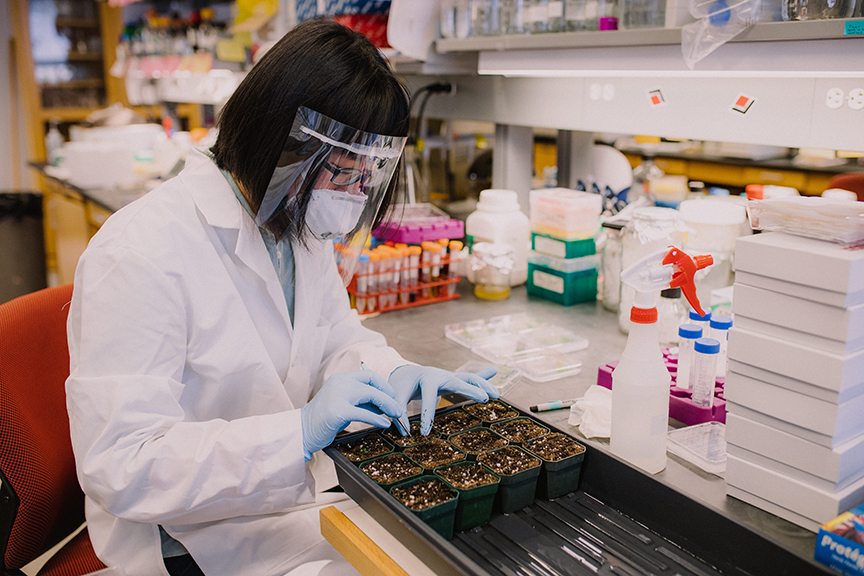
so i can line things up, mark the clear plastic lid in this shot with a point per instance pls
(470, 333)
(503, 380)
(703, 445)
(508, 348)
(566, 265)
(546, 366)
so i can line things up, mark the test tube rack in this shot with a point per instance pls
(398, 296)
(681, 406)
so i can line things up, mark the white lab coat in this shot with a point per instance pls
(187, 380)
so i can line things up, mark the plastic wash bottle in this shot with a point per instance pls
(640, 381)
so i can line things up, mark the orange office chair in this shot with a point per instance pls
(853, 181)
(41, 502)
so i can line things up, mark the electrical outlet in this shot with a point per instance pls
(856, 99)
(834, 98)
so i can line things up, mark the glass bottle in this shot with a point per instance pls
(535, 15)
(555, 16)
(646, 171)
(574, 15)
(610, 265)
(643, 14)
(515, 12)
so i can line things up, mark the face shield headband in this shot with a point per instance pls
(340, 174)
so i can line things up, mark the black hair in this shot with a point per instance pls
(325, 67)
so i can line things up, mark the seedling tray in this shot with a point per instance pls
(620, 521)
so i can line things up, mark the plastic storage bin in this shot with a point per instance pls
(561, 248)
(564, 213)
(565, 281)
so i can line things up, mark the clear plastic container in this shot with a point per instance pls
(506, 377)
(564, 213)
(704, 445)
(565, 281)
(720, 326)
(574, 15)
(836, 221)
(547, 366)
(535, 15)
(510, 348)
(688, 334)
(703, 372)
(469, 333)
(703, 322)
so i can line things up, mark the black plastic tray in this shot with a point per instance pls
(621, 521)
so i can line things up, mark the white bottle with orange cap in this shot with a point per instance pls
(640, 381)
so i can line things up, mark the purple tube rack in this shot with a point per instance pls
(681, 407)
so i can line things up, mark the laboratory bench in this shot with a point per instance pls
(418, 334)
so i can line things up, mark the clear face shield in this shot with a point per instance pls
(339, 174)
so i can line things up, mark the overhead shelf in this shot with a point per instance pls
(763, 32)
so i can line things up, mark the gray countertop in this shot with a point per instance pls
(418, 334)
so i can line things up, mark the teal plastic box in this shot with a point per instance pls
(565, 281)
(560, 248)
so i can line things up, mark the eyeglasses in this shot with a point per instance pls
(343, 176)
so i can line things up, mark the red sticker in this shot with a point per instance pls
(743, 104)
(655, 97)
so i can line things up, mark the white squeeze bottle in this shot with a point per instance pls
(640, 381)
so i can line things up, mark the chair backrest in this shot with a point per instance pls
(852, 181)
(40, 499)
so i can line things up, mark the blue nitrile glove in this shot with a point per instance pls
(338, 403)
(412, 382)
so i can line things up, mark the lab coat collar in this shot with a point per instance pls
(216, 202)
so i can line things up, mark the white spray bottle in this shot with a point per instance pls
(640, 381)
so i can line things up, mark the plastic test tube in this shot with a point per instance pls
(426, 269)
(701, 321)
(455, 248)
(362, 282)
(414, 267)
(396, 257)
(688, 334)
(372, 284)
(435, 272)
(405, 281)
(720, 331)
(703, 372)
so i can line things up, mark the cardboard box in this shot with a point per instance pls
(795, 384)
(843, 324)
(839, 542)
(830, 371)
(773, 508)
(840, 466)
(790, 493)
(789, 428)
(800, 260)
(825, 296)
(842, 422)
(803, 338)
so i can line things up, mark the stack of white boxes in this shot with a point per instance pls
(795, 381)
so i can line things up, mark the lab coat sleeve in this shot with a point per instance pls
(137, 456)
(349, 342)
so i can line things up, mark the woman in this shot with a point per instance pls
(213, 351)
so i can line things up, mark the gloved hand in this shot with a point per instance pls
(425, 382)
(338, 403)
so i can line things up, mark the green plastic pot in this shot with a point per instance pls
(559, 477)
(358, 462)
(516, 491)
(496, 426)
(391, 484)
(472, 456)
(475, 504)
(440, 517)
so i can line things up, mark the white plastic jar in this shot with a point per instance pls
(499, 220)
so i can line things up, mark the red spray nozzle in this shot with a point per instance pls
(686, 267)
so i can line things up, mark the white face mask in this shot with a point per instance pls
(333, 213)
